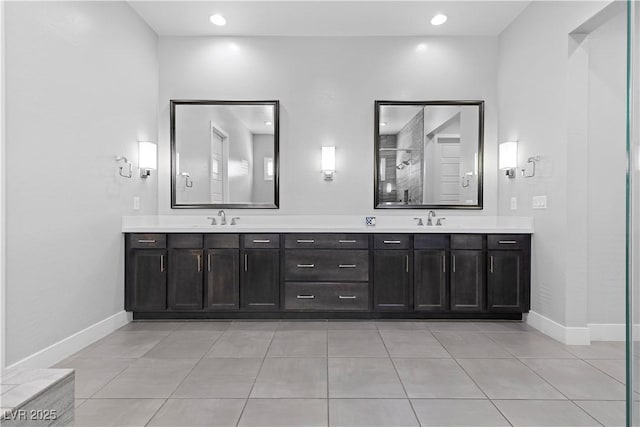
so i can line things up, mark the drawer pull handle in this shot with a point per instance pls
(444, 264)
(491, 263)
(306, 265)
(261, 241)
(347, 297)
(261, 304)
(347, 266)
(199, 262)
(306, 297)
(208, 262)
(147, 241)
(347, 241)
(453, 259)
(507, 242)
(161, 263)
(305, 241)
(246, 262)
(391, 242)
(407, 263)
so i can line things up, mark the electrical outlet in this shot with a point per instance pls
(514, 203)
(136, 203)
(539, 202)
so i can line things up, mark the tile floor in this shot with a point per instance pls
(351, 373)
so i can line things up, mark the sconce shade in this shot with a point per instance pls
(328, 162)
(148, 155)
(508, 155)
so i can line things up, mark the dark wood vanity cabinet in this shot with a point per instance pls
(260, 279)
(392, 265)
(295, 275)
(508, 281)
(145, 272)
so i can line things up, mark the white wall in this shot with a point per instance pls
(607, 169)
(537, 91)
(81, 87)
(327, 88)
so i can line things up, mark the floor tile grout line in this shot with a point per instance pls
(474, 381)
(395, 369)
(183, 379)
(264, 357)
(602, 371)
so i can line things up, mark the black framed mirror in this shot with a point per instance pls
(224, 154)
(428, 154)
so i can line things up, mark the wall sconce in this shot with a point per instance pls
(124, 160)
(147, 158)
(328, 162)
(508, 158)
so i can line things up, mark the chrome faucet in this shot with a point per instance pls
(439, 222)
(213, 219)
(234, 220)
(432, 214)
(223, 221)
(419, 221)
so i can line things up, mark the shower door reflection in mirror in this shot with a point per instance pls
(429, 154)
(224, 154)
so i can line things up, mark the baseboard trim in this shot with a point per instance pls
(610, 331)
(564, 334)
(64, 348)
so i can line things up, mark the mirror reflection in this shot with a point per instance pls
(429, 154)
(224, 154)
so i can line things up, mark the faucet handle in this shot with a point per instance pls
(439, 221)
(419, 221)
(213, 219)
(233, 220)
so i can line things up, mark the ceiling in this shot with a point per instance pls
(328, 18)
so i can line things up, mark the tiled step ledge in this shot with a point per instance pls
(37, 397)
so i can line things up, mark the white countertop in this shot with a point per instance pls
(325, 224)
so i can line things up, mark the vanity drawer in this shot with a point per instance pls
(327, 296)
(185, 241)
(262, 241)
(145, 241)
(326, 241)
(431, 241)
(507, 241)
(392, 241)
(221, 241)
(327, 265)
(466, 241)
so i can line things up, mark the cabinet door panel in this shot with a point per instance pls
(185, 279)
(146, 280)
(222, 282)
(391, 280)
(467, 280)
(505, 281)
(260, 279)
(430, 280)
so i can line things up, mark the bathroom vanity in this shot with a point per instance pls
(432, 272)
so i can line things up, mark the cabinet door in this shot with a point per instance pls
(430, 280)
(222, 279)
(185, 279)
(467, 280)
(146, 285)
(260, 279)
(391, 280)
(505, 284)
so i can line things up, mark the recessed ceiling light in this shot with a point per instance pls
(383, 123)
(439, 19)
(268, 123)
(219, 20)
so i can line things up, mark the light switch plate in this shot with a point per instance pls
(514, 203)
(136, 203)
(539, 202)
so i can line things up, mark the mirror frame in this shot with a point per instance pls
(376, 166)
(276, 155)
